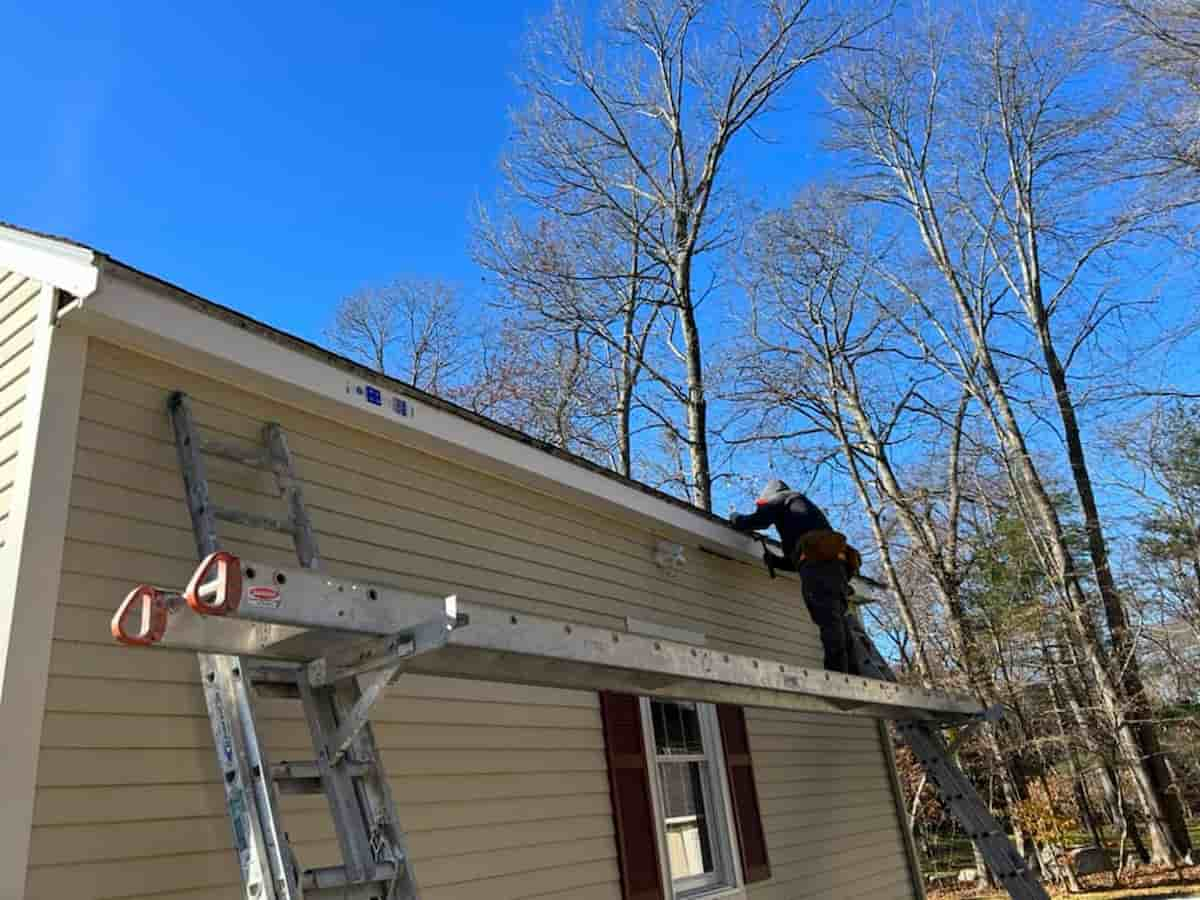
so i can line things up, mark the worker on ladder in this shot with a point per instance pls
(821, 557)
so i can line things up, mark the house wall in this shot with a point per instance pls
(18, 310)
(503, 789)
(828, 809)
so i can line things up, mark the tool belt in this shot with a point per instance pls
(822, 545)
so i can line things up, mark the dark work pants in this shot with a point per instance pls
(826, 592)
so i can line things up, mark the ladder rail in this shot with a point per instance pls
(954, 788)
(292, 494)
(252, 809)
(364, 802)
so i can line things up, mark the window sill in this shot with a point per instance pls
(720, 893)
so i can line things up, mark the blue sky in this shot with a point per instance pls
(269, 156)
(276, 157)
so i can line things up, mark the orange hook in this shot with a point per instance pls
(216, 586)
(153, 615)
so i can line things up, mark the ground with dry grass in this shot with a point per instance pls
(1145, 881)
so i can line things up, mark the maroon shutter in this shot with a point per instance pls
(633, 810)
(751, 840)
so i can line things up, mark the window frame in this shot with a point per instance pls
(729, 877)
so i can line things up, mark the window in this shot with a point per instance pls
(691, 801)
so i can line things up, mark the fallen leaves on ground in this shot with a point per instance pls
(1145, 881)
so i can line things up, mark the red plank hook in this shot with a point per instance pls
(216, 586)
(153, 614)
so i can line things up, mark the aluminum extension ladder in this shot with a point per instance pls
(953, 787)
(336, 644)
(347, 767)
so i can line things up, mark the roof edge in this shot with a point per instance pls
(493, 441)
(77, 268)
(350, 367)
(63, 263)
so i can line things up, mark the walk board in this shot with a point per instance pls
(300, 616)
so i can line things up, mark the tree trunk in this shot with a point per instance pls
(697, 404)
(1079, 787)
(915, 808)
(624, 452)
(1013, 784)
(1144, 733)
(1114, 796)
(903, 603)
(1051, 540)
(1168, 830)
(625, 392)
(632, 351)
(836, 387)
(1050, 537)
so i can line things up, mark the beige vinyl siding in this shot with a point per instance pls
(503, 789)
(828, 810)
(18, 310)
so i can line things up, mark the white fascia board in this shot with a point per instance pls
(64, 265)
(131, 310)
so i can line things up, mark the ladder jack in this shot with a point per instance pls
(336, 644)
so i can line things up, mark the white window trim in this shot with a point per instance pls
(730, 854)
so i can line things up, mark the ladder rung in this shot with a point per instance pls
(278, 690)
(253, 520)
(268, 672)
(306, 771)
(295, 771)
(254, 458)
(329, 877)
(299, 786)
(275, 681)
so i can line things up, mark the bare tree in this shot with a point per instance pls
(1162, 450)
(637, 130)
(962, 136)
(826, 350)
(1046, 140)
(1162, 39)
(549, 386)
(586, 277)
(409, 328)
(815, 348)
